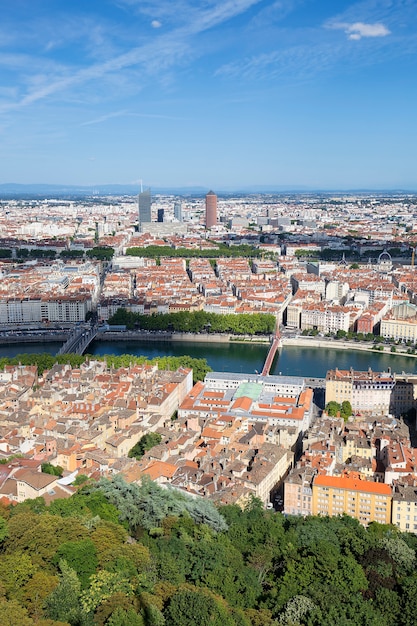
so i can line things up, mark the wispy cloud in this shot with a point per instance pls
(359, 29)
(104, 118)
(296, 63)
(155, 55)
(108, 116)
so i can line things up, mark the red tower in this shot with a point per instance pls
(211, 209)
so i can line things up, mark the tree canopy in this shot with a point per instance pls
(120, 554)
(197, 322)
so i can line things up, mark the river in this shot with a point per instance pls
(242, 357)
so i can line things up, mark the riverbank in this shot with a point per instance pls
(41, 337)
(337, 344)
(162, 336)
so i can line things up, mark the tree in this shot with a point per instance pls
(81, 556)
(295, 610)
(144, 444)
(15, 570)
(4, 529)
(80, 479)
(35, 592)
(332, 408)
(123, 617)
(147, 504)
(13, 614)
(54, 470)
(117, 603)
(102, 586)
(103, 253)
(341, 334)
(64, 601)
(346, 410)
(193, 607)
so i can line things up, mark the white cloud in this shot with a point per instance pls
(156, 24)
(357, 30)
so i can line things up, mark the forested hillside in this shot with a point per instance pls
(120, 554)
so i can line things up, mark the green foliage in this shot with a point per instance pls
(144, 444)
(12, 614)
(5, 253)
(296, 610)
(125, 617)
(102, 586)
(54, 470)
(196, 607)
(80, 479)
(221, 250)
(103, 253)
(177, 568)
(71, 254)
(147, 504)
(15, 570)
(81, 556)
(41, 535)
(46, 361)
(197, 322)
(341, 334)
(346, 409)
(333, 408)
(4, 529)
(64, 601)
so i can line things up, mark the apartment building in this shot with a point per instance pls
(404, 507)
(327, 318)
(366, 391)
(364, 500)
(298, 493)
(400, 323)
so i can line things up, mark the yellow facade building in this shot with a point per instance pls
(364, 500)
(404, 508)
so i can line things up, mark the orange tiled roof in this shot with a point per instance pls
(353, 484)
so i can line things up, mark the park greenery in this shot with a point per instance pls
(119, 554)
(102, 253)
(45, 361)
(218, 250)
(197, 322)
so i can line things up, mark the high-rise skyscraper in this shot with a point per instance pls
(211, 209)
(160, 215)
(144, 207)
(178, 210)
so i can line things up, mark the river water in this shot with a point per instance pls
(242, 357)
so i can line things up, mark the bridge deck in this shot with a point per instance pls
(78, 341)
(275, 345)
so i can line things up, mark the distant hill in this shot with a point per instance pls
(44, 190)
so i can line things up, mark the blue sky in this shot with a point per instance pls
(216, 93)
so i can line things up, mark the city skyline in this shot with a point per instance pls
(209, 94)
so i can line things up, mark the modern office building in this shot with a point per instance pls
(211, 209)
(144, 207)
(178, 210)
(160, 215)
